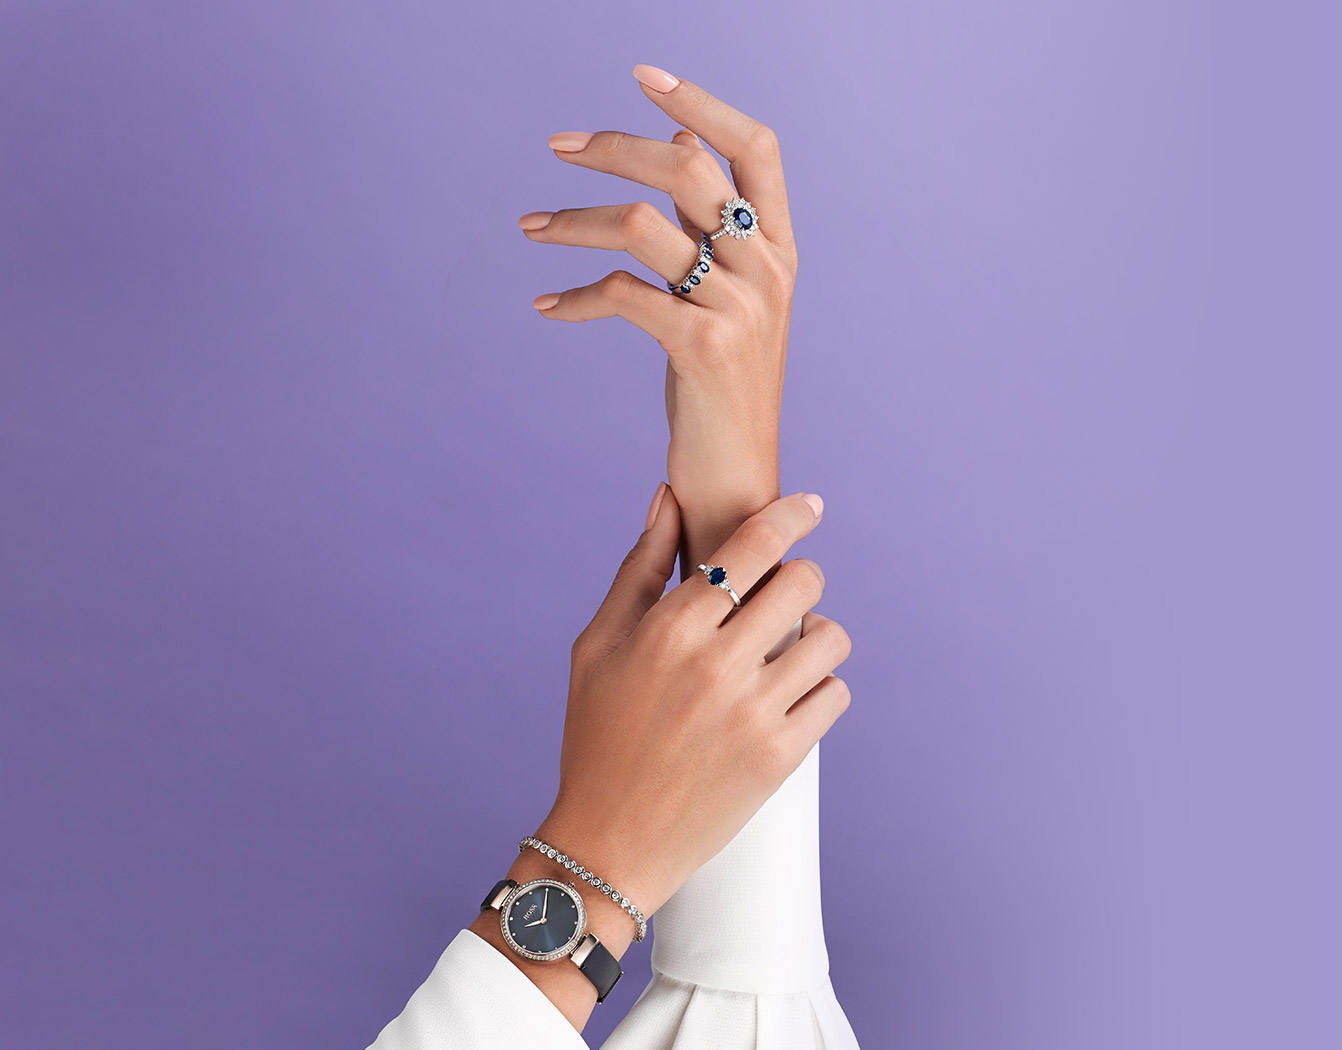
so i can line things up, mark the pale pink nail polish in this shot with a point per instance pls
(817, 504)
(657, 79)
(544, 302)
(535, 220)
(656, 505)
(570, 141)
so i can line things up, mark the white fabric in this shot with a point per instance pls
(721, 977)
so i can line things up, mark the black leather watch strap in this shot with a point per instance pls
(597, 965)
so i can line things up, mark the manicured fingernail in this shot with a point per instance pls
(535, 220)
(544, 302)
(817, 504)
(657, 79)
(570, 141)
(655, 508)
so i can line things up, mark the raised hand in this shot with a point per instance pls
(726, 341)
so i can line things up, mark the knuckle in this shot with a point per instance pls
(619, 285)
(762, 538)
(741, 303)
(632, 560)
(779, 268)
(835, 641)
(762, 144)
(696, 169)
(739, 720)
(712, 338)
(607, 143)
(639, 220)
(581, 652)
(806, 580)
(673, 636)
(635, 568)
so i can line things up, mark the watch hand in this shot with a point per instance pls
(545, 903)
(531, 924)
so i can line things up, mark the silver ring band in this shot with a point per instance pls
(717, 576)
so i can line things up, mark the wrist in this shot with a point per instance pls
(709, 516)
(609, 853)
(611, 925)
(724, 486)
(566, 980)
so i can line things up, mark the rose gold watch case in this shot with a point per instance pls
(568, 946)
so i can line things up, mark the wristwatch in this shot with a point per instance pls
(544, 920)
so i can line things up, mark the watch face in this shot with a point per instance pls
(544, 919)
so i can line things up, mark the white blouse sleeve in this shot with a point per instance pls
(720, 978)
(476, 998)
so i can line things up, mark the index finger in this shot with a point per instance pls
(751, 551)
(749, 146)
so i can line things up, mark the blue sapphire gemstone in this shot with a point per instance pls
(685, 288)
(743, 218)
(716, 576)
(693, 279)
(703, 267)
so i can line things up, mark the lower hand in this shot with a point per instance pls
(677, 730)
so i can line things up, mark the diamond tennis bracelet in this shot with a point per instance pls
(604, 888)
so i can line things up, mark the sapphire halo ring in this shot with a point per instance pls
(739, 220)
(697, 272)
(717, 576)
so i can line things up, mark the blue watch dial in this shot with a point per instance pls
(544, 919)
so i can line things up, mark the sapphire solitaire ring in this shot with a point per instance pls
(696, 274)
(717, 576)
(739, 219)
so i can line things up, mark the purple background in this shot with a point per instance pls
(274, 404)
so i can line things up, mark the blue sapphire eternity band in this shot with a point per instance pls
(697, 271)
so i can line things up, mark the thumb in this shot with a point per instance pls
(642, 577)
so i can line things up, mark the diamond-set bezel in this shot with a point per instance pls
(569, 864)
(563, 950)
(734, 229)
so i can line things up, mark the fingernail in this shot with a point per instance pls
(817, 504)
(544, 302)
(657, 79)
(535, 220)
(656, 506)
(570, 141)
